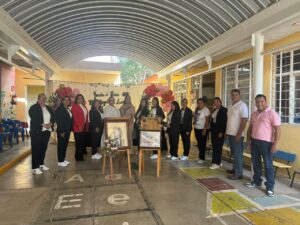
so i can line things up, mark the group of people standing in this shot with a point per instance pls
(262, 135)
(222, 123)
(84, 123)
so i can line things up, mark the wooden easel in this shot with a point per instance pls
(111, 166)
(150, 124)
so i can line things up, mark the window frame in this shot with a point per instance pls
(292, 75)
(236, 80)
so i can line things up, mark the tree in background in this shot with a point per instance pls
(133, 72)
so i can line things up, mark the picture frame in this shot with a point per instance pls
(150, 139)
(117, 128)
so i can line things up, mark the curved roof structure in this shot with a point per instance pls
(155, 33)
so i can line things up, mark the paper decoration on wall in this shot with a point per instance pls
(164, 92)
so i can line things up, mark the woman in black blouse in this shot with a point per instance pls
(41, 125)
(173, 125)
(64, 125)
(157, 112)
(218, 124)
(142, 111)
(96, 128)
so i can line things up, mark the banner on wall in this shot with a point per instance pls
(103, 91)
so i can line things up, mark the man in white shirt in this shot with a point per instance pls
(237, 118)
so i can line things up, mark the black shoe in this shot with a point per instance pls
(230, 171)
(235, 177)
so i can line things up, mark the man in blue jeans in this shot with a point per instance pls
(262, 137)
(237, 117)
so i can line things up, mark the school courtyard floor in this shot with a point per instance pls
(186, 194)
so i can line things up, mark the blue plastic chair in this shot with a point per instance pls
(4, 134)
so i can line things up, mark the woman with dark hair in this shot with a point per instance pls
(173, 126)
(64, 124)
(41, 123)
(157, 112)
(201, 123)
(80, 125)
(142, 111)
(96, 128)
(218, 124)
(127, 110)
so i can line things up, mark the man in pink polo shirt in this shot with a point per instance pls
(263, 136)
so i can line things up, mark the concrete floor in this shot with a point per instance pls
(186, 193)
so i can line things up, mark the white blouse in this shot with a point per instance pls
(201, 118)
(47, 117)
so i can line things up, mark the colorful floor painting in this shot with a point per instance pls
(202, 172)
(228, 202)
(215, 184)
(276, 201)
(281, 216)
(188, 164)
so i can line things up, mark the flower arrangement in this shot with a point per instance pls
(110, 148)
(158, 90)
(55, 98)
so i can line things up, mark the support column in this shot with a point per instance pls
(258, 63)
(48, 83)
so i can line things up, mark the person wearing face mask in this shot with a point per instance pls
(201, 124)
(218, 124)
(64, 122)
(41, 123)
(96, 128)
(80, 125)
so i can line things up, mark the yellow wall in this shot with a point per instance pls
(21, 84)
(86, 77)
(290, 132)
(25, 79)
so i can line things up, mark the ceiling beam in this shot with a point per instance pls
(12, 29)
(280, 12)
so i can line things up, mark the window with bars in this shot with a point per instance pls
(237, 76)
(180, 90)
(287, 85)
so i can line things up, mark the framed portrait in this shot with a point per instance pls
(117, 129)
(149, 139)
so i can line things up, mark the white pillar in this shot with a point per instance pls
(258, 63)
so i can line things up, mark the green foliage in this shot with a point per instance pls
(133, 72)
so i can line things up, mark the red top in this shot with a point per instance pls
(78, 119)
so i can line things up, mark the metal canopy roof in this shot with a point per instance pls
(155, 33)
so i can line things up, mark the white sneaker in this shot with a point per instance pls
(37, 171)
(214, 166)
(66, 162)
(174, 158)
(62, 164)
(184, 158)
(200, 161)
(154, 156)
(95, 156)
(168, 156)
(44, 168)
(99, 155)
